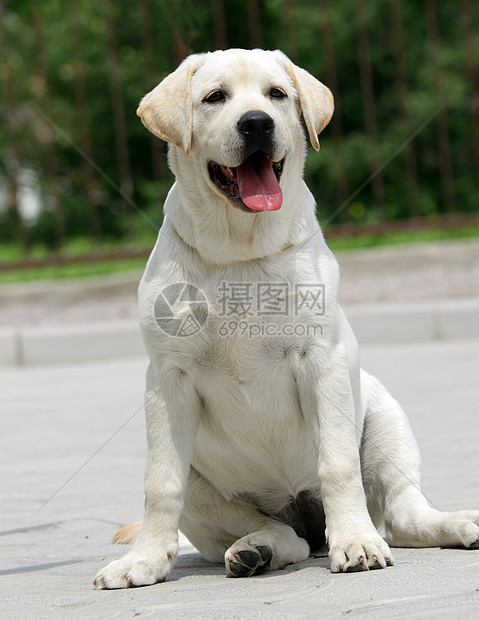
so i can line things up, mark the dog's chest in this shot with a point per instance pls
(252, 423)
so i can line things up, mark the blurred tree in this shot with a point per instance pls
(11, 163)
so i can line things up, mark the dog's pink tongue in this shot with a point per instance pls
(258, 185)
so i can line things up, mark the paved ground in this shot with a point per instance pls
(55, 421)
(401, 273)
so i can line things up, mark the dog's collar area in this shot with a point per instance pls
(255, 182)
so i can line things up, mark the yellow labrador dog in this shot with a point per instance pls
(265, 438)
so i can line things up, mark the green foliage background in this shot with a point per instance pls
(295, 27)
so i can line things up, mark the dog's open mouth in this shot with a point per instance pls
(255, 183)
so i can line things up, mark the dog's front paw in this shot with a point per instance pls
(359, 553)
(134, 569)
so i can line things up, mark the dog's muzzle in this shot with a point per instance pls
(253, 185)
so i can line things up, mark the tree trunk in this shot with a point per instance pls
(471, 70)
(254, 21)
(369, 106)
(332, 82)
(121, 142)
(84, 133)
(445, 160)
(221, 37)
(151, 79)
(401, 76)
(291, 31)
(51, 161)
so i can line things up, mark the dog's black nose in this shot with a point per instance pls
(257, 129)
(255, 123)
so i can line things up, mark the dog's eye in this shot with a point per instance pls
(277, 93)
(215, 96)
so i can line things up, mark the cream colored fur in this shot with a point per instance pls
(238, 426)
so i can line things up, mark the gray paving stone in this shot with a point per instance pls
(87, 418)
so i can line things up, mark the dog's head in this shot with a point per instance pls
(238, 112)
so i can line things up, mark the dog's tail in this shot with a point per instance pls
(127, 534)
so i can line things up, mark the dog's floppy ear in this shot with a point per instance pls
(317, 102)
(167, 110)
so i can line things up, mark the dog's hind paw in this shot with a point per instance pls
(466, 524)
(253, 560)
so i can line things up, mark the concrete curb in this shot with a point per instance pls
(372, 324)
(71, 291)
(80, 342)
(419, 321)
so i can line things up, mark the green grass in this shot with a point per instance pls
(65, 272)
(76, 247)
(396, 238)
(73, 248)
